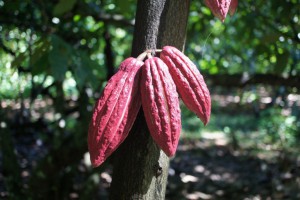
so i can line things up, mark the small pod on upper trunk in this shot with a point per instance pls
(220, 8)
(115, 111)
(189, 82)
(161, 105)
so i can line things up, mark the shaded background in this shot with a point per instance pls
(55, 59)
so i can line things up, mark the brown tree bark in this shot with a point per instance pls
(140, 167)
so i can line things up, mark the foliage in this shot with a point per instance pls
(266, 39)
(56, 56)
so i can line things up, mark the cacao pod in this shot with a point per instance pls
(220, 7)
(160, 104)
(189, 82)
(233, 6)
(115, 111)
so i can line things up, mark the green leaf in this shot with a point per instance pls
(59, 57)
(18, 60)
(270, 38)
(282, 62)
(42, 47)
(39, 58)
(41, 65)
(83, 70)
(63, 6)
(123, 6)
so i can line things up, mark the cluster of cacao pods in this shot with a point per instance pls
(220, 8)
(154, 84)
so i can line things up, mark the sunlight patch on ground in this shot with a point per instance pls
(199, 168)
(198, 195)
(185, 178)
(87, 160)
(106, 176)
(218, 137)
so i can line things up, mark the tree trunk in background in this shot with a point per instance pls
(140, 167)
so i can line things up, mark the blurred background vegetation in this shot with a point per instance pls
(55, 59)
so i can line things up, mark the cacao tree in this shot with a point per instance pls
(46, 44)
(140, 167)
(120, 101)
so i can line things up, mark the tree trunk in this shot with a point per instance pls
(140, 167)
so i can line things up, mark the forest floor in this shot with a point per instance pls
(228, 159)
(210, 168)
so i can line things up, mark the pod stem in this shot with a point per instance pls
(149, 53)
(142, 56)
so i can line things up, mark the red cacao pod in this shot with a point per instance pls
(115, 111)
(161, 105)
(220, 7)
(233, 6)
(189, 82)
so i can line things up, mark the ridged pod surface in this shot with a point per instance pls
(115, 111)
(220, 7)
(233, 6)
(189, 82)
(161, 105)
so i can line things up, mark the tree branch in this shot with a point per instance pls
(242, 80)
(118, 19)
